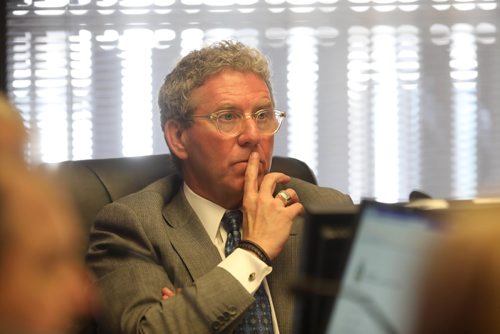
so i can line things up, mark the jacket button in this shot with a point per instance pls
(232, 310)
(215, 325)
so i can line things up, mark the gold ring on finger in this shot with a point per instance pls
(284, 197)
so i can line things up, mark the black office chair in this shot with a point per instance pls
(95, 183)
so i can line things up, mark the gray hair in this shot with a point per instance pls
(195, 68)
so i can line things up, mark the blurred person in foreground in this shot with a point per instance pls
(182, 232)
(44, 286)
(12, 134)
(460, 293)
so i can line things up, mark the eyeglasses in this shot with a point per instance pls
(231, 122)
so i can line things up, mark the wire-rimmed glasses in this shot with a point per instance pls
(231, 122)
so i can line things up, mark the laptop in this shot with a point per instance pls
(377, 291)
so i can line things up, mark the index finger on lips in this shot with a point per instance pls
(251, 174)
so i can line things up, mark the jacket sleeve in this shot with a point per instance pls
(130, 273)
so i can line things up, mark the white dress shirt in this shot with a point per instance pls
(249, 270)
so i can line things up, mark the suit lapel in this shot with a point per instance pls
(189, 238)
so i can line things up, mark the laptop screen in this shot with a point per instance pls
(377, 290)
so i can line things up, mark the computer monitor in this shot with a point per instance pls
(361, 265)
(377, 292)
(326, 242)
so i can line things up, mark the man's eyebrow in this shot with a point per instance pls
(265, 103)
(227, 106)
(264, 106)
(233, 107)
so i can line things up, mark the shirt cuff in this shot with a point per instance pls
(248, 269)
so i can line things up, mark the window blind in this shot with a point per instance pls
(383, 96)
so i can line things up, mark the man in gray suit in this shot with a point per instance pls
(219, 119)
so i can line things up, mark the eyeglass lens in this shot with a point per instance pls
(268, 121)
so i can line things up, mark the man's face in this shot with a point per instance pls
(213, 163)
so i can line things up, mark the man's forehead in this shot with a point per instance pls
(224, 95)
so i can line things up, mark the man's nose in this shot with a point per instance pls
(251, 133)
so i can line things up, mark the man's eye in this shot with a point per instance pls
(262, 116)
(227, 116)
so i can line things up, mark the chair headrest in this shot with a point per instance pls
(95, 183)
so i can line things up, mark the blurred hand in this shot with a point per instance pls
(166, 293)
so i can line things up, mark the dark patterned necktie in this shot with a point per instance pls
(258, 318)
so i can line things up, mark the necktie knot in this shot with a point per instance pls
(231, 221)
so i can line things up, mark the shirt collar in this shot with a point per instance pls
(209, 213)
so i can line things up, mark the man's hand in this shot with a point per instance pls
(268, 218)
(166, 293)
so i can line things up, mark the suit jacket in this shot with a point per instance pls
(153, 239)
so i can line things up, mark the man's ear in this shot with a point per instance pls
(173, 135)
